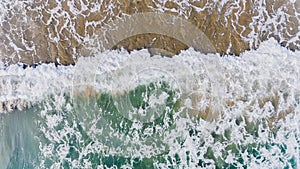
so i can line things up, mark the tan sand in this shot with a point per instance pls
(45, 31)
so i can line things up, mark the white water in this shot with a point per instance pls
(267, 72)
(231, 77)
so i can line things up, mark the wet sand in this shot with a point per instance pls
(44, 31)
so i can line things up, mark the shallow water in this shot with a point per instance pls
(122, 109)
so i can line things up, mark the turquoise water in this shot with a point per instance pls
(91, 132)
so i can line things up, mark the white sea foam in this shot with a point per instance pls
(232, 77)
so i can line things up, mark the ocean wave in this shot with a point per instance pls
(228, 111)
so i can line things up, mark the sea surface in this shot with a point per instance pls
(130, 110)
